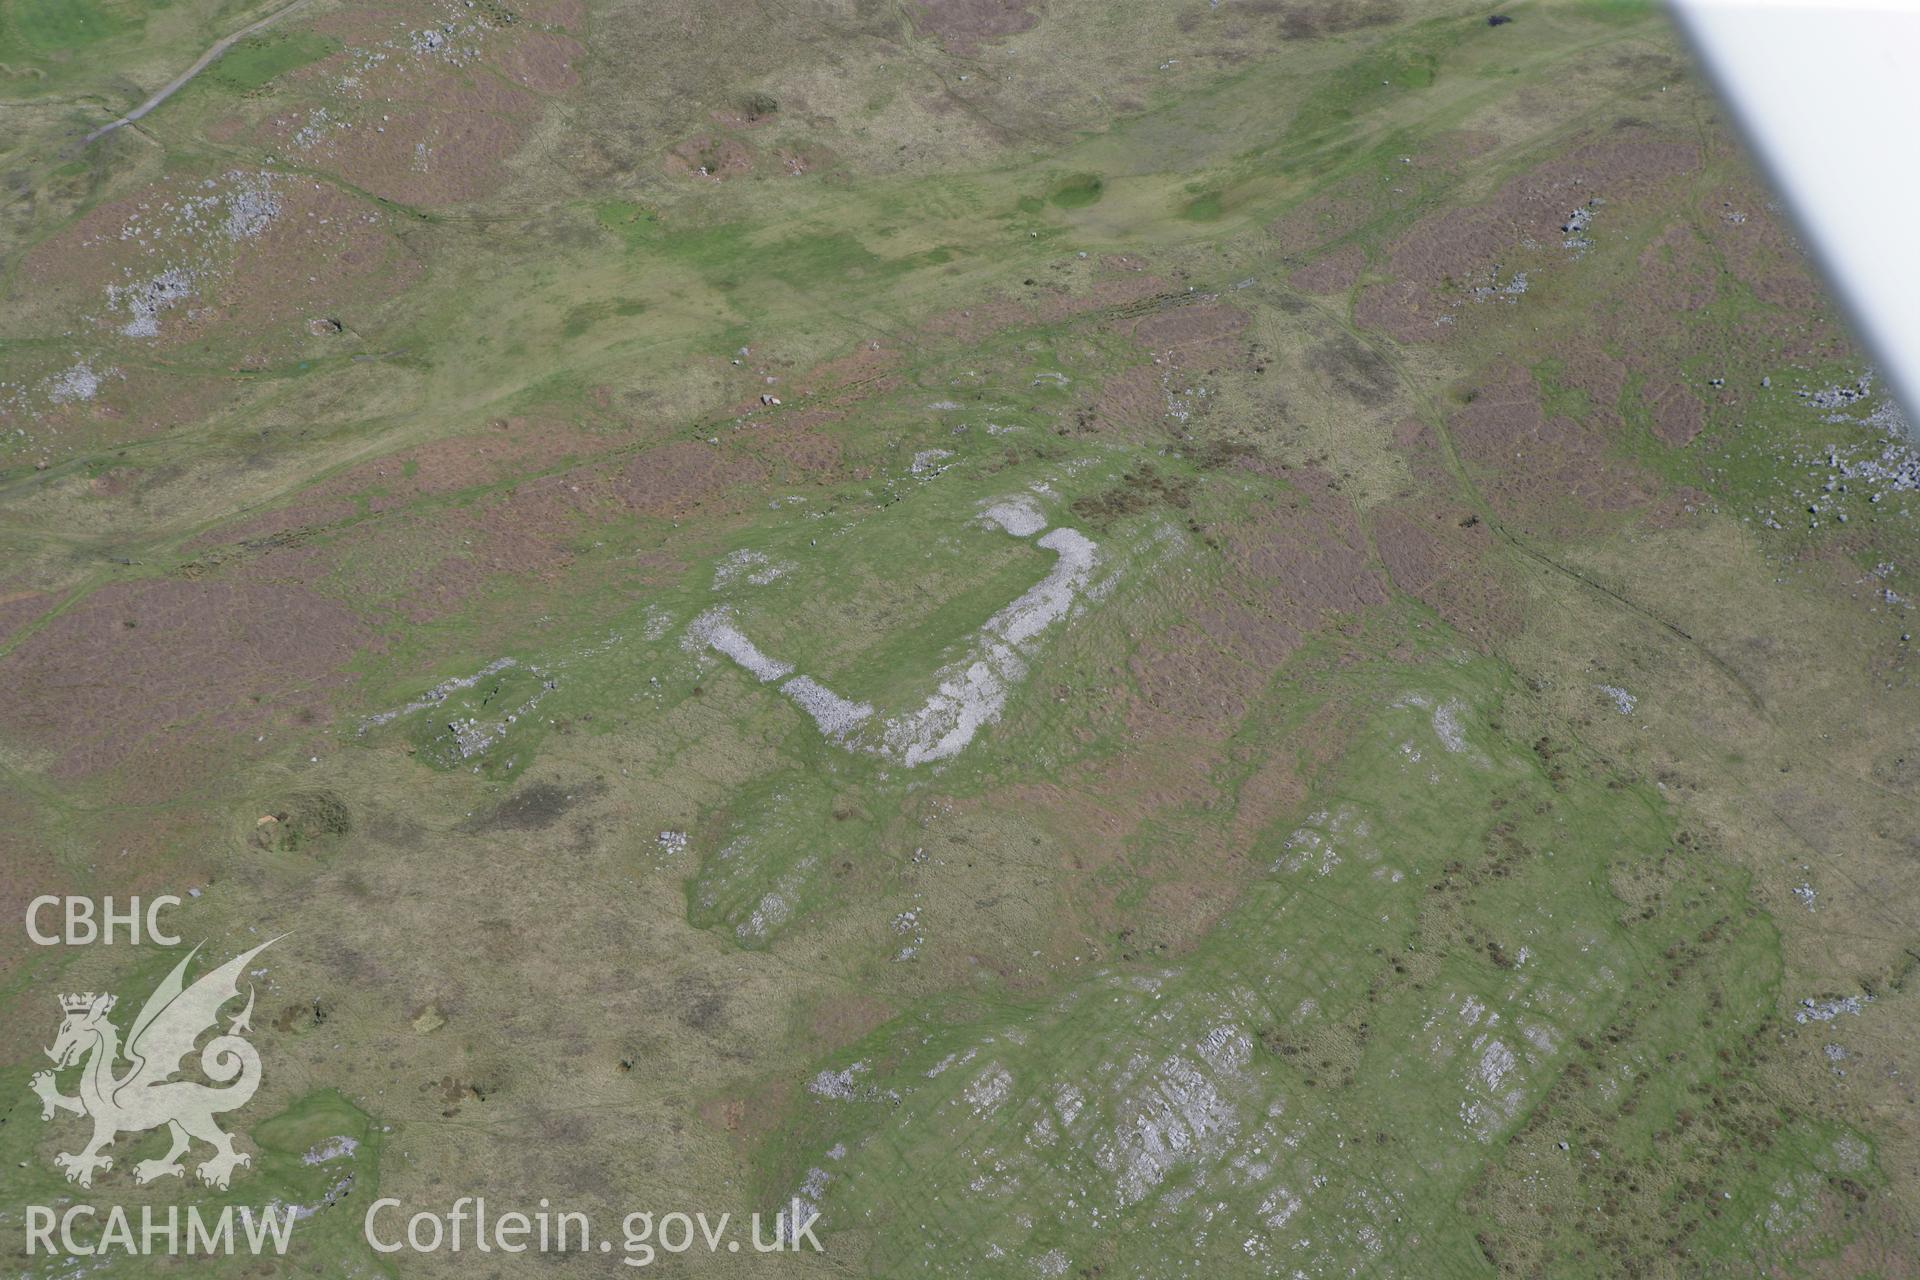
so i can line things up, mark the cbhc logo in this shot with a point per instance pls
(84, 926)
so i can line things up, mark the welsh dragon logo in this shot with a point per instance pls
(147, 1096)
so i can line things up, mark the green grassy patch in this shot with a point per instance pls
(1371, 81)
(66, 26)
(1078, 191)
(1459, 905)
(1620, 11)
(260, 59)
(1206, 208)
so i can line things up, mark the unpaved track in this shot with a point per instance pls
(206, 59)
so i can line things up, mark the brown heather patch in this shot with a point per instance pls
(517, 537)
(1105, 292)
(1677, 414)
(1090, 814)
(710, 156)
(423, 156)
(1334, 273)
(1757, 246)
(299, 516)
(364, 26)
(541, 61)
(423, 127)
(1425, 457)
(323, 253)
(1588, 369)
(417, 567)
(836, 1021)
(1295, 567)
(508, 447)
(1677, 276)
(527, 528)
(18, 608)
(1543, 474)
(1449, 251)
(552, 507)
(1196, 338)
(1095, 814)
(490, 94)
(1100, 809)
(400, 78)
(1455, 147)
(673, 480)
(1134, 400)
(137, 403)
(1309, 542)
(1464, 242)
(1330, 215)
(386, 32)
(1272, 791)
(985, 318)
(997, 312)
(800, 443)
(962, 26)
(1313, 19)
(1278, 787)
(322, 248)
(1402, 310)
(1201, 675)
(1786, 336)
(146, 668)
(491, 549)
(1098, 806)
(1188, 326)
(858, 370)
(424, 566)
(132, 404)
(1442, 555)
(1885, 1251)
(144, 843)
(76, 265)
(28, 869)
(1676, 509)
